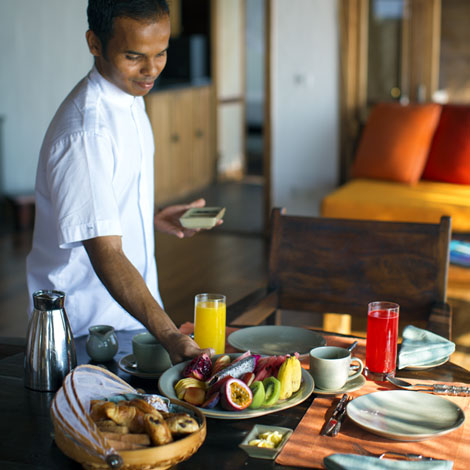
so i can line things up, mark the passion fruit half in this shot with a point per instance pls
(235, 395)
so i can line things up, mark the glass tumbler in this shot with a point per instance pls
(209, 321)
(382, 335)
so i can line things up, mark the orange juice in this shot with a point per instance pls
(209, 322)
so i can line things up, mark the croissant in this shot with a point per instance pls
(158, 430)
(181, 424)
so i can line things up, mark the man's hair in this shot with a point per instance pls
(101, 14)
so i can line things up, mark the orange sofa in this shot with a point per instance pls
(412, 165)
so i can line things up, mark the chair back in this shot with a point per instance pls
(338, 266)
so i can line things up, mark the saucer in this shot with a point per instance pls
(429, 365)
(128, 364)
(350, 386)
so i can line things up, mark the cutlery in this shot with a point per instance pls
(333, 420)
(434, 388)
(334, 432)
(389, 453)
(352, 346)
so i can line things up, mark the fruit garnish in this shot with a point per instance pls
(290, 376)
(200, 367)
(235, 395)
(212, 401)
(269, 439)
(188, 382)
(221, 363)
(257, 388)
(235, 369)
(272, 389)
(248, 378)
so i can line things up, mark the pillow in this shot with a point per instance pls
(449, 157)
(395, 143)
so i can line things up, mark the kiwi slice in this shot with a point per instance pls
(272, 390)
(258, 394)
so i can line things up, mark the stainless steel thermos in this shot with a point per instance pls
(50, 350)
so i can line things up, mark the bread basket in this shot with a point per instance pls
(78, 437)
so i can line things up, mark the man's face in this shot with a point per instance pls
(135, 55)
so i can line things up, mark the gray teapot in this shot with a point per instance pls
(102, 343)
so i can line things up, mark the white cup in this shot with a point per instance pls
(330, 367)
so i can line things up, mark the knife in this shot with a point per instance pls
(334, 432)
(333, 420)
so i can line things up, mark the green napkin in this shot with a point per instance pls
(364, 462)
(421, 347)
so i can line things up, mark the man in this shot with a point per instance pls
(94, 233)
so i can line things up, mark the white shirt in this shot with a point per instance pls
(94, 178)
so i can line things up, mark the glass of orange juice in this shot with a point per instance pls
(209, 321)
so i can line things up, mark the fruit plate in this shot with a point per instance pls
(168, 379)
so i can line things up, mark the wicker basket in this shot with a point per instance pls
(78, 437)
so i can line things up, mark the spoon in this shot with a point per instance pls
(353, 345)
(435, 388)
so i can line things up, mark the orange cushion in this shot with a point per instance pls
(395, 143)
(449, 157)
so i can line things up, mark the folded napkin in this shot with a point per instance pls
(363, 462)
(421, 347)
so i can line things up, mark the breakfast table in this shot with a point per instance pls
(27, 434)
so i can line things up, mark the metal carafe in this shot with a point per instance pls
(50, 350)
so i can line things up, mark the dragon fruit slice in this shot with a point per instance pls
(200, 367)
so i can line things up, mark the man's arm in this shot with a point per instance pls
(128, 288)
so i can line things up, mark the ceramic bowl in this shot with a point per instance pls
(264, 452)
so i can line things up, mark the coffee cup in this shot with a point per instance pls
(149, 354)
(330, 367)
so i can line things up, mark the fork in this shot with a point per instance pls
(390, 453)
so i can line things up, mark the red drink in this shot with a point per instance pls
(382, 334)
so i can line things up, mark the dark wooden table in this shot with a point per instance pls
(26, 440)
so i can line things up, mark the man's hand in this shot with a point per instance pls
(167, 220)
(181, 348)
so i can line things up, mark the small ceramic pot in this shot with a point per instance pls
(102, 343)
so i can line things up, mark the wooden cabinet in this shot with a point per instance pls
(183, 130)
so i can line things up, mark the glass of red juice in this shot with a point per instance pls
(382, 335)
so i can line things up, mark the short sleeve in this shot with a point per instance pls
(80, 178)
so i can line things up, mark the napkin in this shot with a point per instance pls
(363, 462)
(421, 347)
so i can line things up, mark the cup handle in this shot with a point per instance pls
(359, 371)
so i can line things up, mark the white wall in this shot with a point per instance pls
(44, 54)
(305, 103)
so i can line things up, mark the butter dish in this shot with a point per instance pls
(202, 217)
(264, 452)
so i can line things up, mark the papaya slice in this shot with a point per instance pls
(272, 390)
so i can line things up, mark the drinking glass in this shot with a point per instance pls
(382, 335)
(209, 321)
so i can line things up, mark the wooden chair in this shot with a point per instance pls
(323, 265)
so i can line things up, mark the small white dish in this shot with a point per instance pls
(264, 452)
(354, 384)
(429, 365)
(129, 364)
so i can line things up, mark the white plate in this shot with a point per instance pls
(354, 384)
(167, 382)
(405, 415)
(128, 364)
(273, 340)
(429, 365)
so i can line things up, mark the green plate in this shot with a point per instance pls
(168, 379)
(273, 340)
(405, 415)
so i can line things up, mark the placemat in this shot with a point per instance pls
(306, 448)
